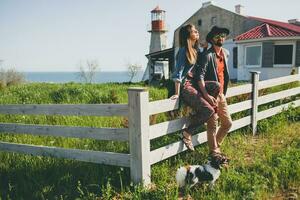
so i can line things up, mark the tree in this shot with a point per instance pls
(133, 70)
(87, 70)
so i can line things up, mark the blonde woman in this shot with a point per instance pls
(186, 76)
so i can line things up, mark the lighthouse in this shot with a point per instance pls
(156, 70)
(158, 30)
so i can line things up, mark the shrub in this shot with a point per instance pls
(10, 77)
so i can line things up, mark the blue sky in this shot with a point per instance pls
(55, 35)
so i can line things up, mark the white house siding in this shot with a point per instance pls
(229, 45)
(267, 73)
(243, 73)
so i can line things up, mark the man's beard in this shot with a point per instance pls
(218, 43)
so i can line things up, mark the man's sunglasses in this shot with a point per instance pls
(222, 35)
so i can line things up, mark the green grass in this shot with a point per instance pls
(262, 167)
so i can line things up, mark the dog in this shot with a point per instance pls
(192, 174)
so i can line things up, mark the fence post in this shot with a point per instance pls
(254, 97)
(139, 140)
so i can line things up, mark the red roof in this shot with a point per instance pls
(270, 28)
(286, 25)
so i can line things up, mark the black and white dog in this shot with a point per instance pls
(193, 174)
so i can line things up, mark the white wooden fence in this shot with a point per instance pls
(140, 132)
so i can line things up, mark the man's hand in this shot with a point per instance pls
(211, 100)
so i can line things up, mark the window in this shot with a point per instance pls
(199, 22)
(158, 68)
(253, 56)
(235, 57)
(283, 54)
(213, 21)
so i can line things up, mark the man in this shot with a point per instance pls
(214, 67)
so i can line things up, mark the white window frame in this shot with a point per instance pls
(293, 56)
(245, 57)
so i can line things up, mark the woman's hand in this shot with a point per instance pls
(175, 96)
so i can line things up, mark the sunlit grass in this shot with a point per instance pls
(261, 167)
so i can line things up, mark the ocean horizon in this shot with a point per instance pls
(64, 77)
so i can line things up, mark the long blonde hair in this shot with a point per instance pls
(185, 41)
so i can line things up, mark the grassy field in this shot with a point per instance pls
(263, 167)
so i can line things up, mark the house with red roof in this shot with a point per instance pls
(273, 48)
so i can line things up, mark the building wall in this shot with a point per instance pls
(267, 68)
(266, 73)
(229, 45)
(236, 23)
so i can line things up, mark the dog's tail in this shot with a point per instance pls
(181, 176)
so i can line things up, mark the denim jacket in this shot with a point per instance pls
(182, 65)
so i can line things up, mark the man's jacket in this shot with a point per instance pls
(208, 68)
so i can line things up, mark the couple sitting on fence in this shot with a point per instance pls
(201, 80)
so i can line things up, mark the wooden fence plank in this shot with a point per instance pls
(66, 109)
(237, 124)
(165, 152)
(278, 81)
(278, 95)
(238, 107)
(273, 111)
(116, 134)
(163, 106)
(109, 158)
(168, 127)
(238, 90)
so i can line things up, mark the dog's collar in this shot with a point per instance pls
(188, 168)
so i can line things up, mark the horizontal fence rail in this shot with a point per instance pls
(165, 128)
(278, 95)
(278, 81)
(273, 111)
(117, 134)
(161, 106)
(109, 158)
(238, 90)
(67, 109)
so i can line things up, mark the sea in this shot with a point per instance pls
(65, 77)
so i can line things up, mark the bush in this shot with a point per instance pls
(10, 77)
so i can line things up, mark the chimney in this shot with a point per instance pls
(294, 22)
(239, 9)
(207, 3)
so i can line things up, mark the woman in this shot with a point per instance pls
(186, 78)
